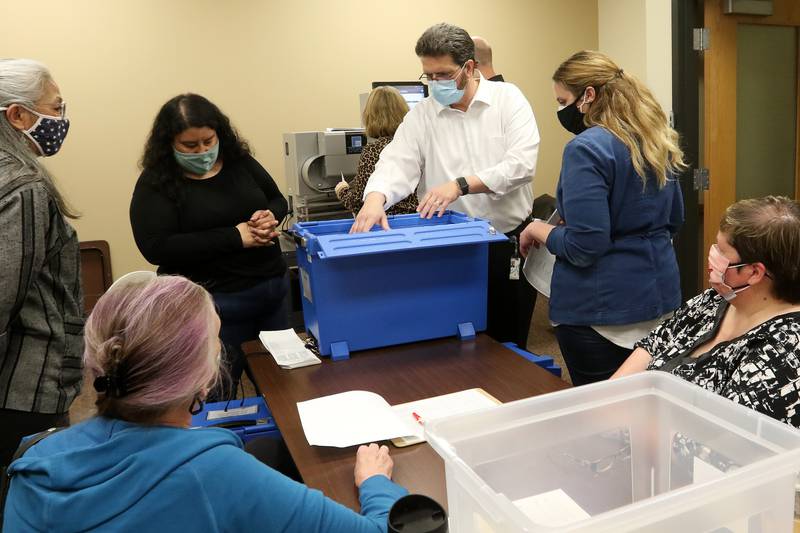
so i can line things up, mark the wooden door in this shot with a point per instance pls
(731, 47)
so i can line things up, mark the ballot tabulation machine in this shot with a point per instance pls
(315, 161)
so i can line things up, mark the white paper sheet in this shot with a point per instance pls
(438, 407)
(287, 349)
(538, 267)
(553, 509)
(704, 472)
(349, 418)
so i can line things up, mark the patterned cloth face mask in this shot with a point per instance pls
(47, 133)
(718, 264)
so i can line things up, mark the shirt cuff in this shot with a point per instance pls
(380, 484)
(387, 204)
(555, 241)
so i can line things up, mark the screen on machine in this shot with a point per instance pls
(412, 91)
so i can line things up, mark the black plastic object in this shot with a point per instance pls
(415, 513)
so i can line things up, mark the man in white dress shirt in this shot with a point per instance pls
(471, 147)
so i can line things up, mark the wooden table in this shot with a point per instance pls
(400, 374)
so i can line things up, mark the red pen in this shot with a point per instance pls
(417, 418)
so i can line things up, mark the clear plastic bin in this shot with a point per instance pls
(650, 452)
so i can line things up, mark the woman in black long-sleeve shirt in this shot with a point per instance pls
(205, 209)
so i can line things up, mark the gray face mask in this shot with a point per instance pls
(198, 163)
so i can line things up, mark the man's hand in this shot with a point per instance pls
(372, 460)
(371, 213)
(437, 199)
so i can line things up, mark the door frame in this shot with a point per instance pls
(719, 73)
(686, 65)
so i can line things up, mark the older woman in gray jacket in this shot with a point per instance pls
(41, 315)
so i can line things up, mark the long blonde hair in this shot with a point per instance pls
(625, 107)
(384, 111)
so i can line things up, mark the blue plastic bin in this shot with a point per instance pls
(422, 279)
(239, 418)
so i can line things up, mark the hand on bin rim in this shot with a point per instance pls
(372, 213)
(438, 199)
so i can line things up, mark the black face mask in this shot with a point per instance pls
(572, 119)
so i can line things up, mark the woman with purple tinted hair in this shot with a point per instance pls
(137, 466)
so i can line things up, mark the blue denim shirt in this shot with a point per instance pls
(615, 263)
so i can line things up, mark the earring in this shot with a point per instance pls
(197, 405)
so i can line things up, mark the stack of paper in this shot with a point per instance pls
(455, 403)
(359, 417)
(287, 349)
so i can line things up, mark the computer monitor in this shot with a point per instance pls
(412, 91)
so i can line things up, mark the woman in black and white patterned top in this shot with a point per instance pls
(741, 339)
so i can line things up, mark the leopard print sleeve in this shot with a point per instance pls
(353, 197)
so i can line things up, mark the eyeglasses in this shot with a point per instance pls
(441, 76)
(61, 109)
(620, 439)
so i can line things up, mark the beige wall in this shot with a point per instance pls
(272, 66)
(637, 34)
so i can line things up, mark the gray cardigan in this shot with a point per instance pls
(41, 308)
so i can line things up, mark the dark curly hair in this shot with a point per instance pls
(178, 114)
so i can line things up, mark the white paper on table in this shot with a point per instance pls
(288, 350)
(538, 267)
(349, 418)
(703, 472)
(455, 403)
(553, 509)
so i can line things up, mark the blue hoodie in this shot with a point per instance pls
(110, 475)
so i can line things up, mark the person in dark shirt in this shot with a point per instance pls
(483, 55)
(204, 208)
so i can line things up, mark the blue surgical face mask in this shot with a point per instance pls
(446, 92)
(198, 163)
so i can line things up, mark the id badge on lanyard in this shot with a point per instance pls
(513, 273)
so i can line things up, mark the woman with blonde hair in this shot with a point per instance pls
(153, 353)
(615, 276)
(383, 113)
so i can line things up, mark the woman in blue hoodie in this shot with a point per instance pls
(152, 347)
(616, 276)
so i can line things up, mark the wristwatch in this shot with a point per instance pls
(463, 186)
